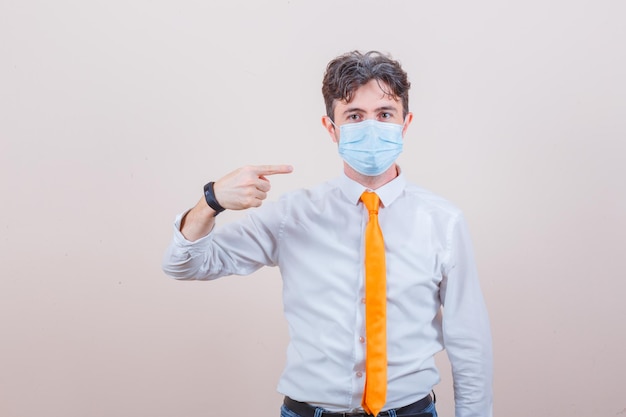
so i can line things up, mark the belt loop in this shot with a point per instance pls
(434, 397)
(318, 412)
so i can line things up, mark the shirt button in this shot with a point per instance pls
(359, 374)
(362, 339)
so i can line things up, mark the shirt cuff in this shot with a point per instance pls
(182, 242)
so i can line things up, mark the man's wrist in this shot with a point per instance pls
(209, 196)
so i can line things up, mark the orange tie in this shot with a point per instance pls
(375, 393)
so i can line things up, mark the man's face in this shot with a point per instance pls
(368, 102)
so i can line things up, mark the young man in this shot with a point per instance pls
(363, 310)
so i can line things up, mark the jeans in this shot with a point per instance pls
(429, 411)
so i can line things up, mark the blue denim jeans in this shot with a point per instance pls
(429, 411)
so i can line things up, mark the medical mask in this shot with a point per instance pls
(370, 146)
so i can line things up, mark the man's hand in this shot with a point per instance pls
(247, 186)
(241, 189)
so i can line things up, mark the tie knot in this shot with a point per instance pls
(371, 201)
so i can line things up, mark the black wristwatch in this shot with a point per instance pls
(209, 195)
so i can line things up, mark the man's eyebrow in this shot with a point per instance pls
(379, 109)
(387, 108)
(353, 109)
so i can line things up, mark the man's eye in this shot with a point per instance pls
(353, 117)
(385, 115)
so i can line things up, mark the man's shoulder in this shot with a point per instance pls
(429, 200)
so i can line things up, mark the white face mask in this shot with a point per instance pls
(370, 147)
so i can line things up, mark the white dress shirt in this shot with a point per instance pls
(316, 238)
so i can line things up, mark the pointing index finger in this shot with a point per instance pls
(262, 170)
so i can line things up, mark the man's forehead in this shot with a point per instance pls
(372, 89)
(385, 102)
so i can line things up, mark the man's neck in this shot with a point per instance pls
(371, 182)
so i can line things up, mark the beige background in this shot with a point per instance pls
(113, 114)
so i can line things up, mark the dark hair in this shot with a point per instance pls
(346, 73)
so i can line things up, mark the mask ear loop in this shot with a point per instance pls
(337, 130)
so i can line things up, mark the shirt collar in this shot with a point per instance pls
(387, 193)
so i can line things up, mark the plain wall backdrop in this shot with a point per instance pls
(114, 114)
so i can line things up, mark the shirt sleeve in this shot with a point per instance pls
(466, 330)
(237, 248)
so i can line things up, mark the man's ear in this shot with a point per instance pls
(330, 128)
(407, 121)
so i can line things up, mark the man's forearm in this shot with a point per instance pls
(198, 222)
